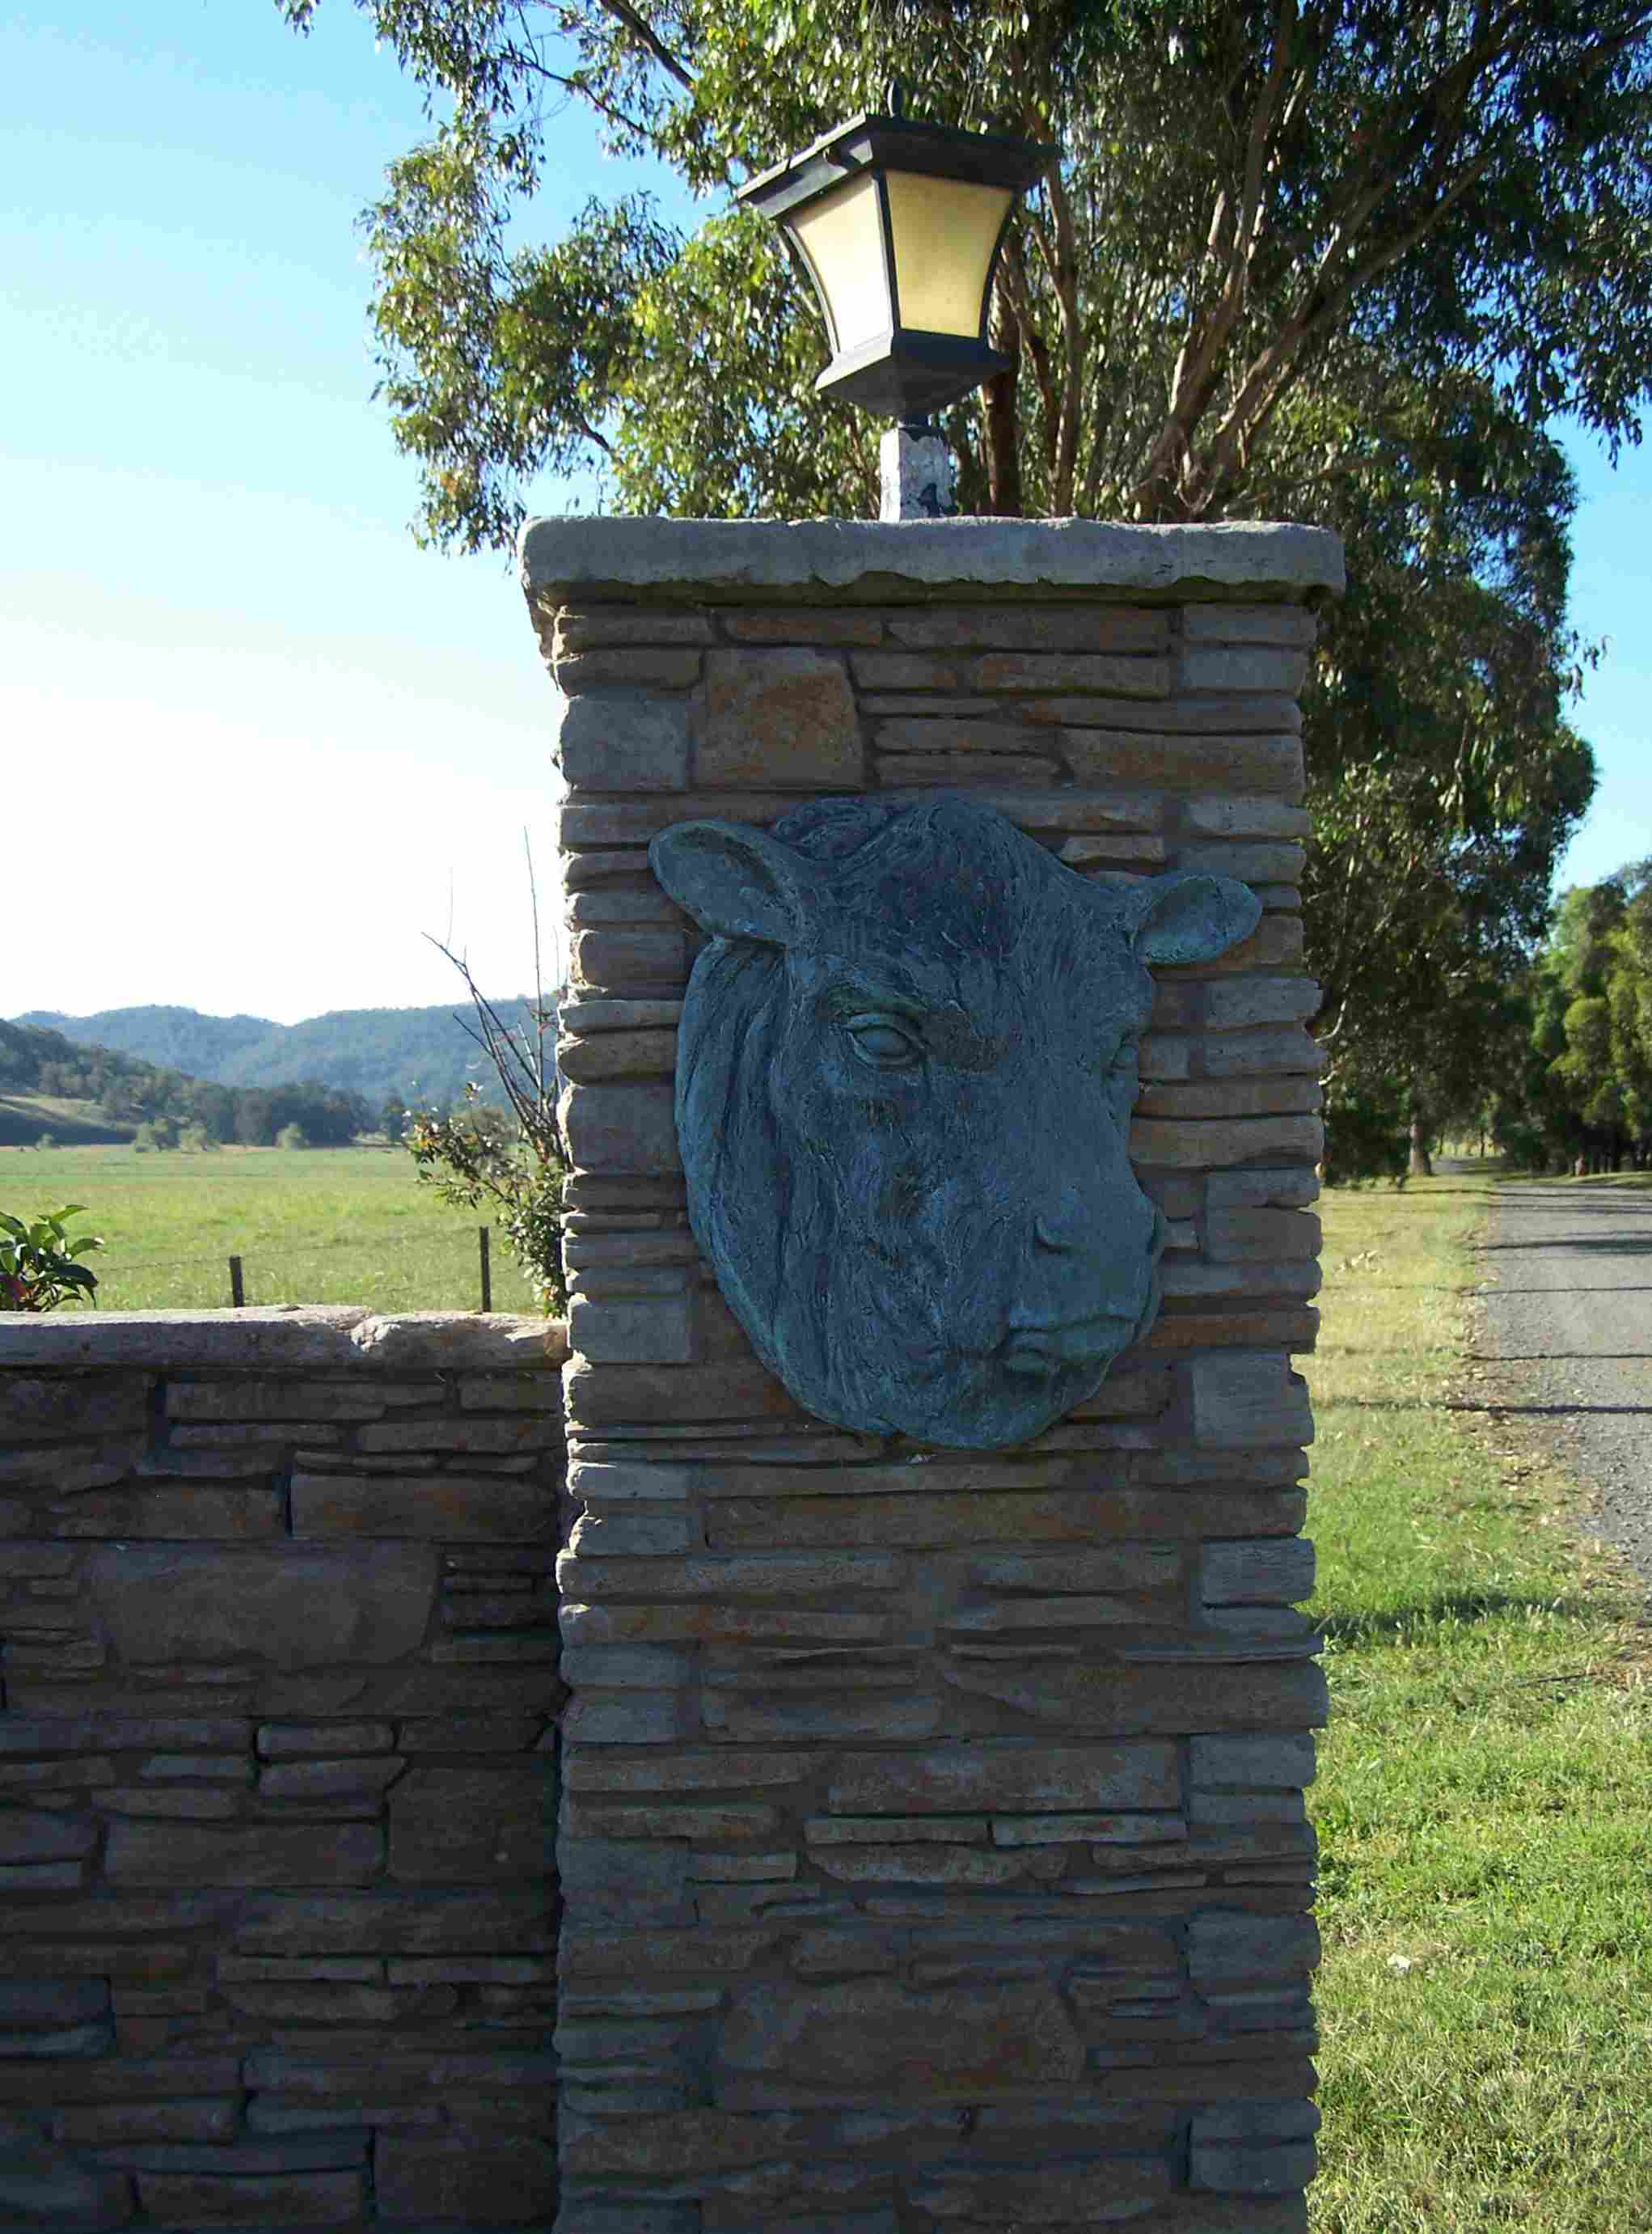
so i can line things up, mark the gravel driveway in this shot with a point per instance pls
(1566, 1337)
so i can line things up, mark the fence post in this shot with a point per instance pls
(487, 1277)
(238, 1294)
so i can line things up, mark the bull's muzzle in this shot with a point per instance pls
(1039, 1352)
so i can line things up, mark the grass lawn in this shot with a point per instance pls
(311, 1226)
(1485, 1804)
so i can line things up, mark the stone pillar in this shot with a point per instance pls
(932, 1837)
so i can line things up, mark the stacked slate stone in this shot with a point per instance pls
(276, 1903)
(933, 1843)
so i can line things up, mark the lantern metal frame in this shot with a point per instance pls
(904, 372)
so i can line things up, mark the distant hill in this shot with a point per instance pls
(49, 1083)
(414, 1054)
(26, 1118)
(178, 1039)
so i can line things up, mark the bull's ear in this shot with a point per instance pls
(1187, 917)
(736, 882)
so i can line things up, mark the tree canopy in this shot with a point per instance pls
(1587, 1087)
(1257, 196)
(1340, 261)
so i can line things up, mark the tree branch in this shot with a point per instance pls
(584, 90)
(643, 32)
(1067, 441)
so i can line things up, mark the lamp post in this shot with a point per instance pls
(899, 225)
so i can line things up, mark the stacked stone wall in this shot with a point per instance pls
(278, 1909)
(933, 1842)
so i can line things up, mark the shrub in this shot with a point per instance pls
(47, 1140)
(517, 1163)
(292, 1136)
(37, 1262)
(478, 1159)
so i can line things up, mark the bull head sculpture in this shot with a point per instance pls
(905, 1072)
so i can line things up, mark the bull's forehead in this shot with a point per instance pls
(1066, 969)
(952, 909)
(973, 881)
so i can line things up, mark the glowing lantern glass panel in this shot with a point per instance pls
(898, 226)
(946, 237)
(840, 238)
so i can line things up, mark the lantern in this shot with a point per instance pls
(898, 224)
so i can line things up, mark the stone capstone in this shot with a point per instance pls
(721, 558)
(279, 1337)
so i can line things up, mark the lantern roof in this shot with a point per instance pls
(896, 142)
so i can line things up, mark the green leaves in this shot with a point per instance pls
(478, 1157)
(38, 1261)
(1591, 1019)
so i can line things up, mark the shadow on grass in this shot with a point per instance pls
(1574, 1244)
(1398, 1197)
(1568, 1194)
(1470, 1405)
(1551, 1411)
(1557, 1357)
(1494, 1294)
(1456, 1608)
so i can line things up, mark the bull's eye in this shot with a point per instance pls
(885, 1040)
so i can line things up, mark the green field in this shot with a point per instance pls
(1484, 1804)
(311, 1226)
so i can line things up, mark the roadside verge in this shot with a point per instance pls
(1484, 1806)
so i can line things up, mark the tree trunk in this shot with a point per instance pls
(1421, 1166)
(1004, 493)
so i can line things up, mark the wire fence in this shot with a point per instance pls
(459, 1270)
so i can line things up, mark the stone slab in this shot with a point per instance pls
(334, 1336)
(186, 1854)
(292, 1606)
(960, 1779)
(786, 714)
(877, 2037)
(731, 560)
(623, 740)
(469, 1508)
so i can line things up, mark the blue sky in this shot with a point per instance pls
(257, 743)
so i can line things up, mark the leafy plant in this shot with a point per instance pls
(475, 1157)
(38, 1269)
(479, 1157)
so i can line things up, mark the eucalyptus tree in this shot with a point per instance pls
(1590, 1001)
(1247, 183)
(1335, 260)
